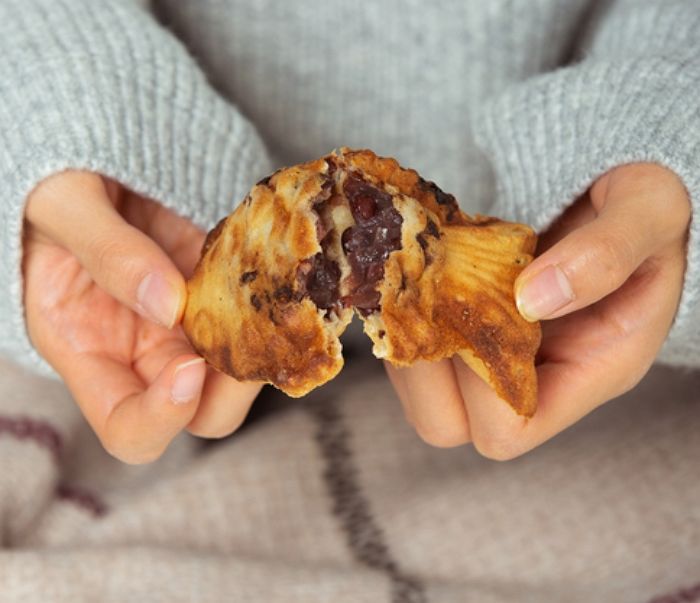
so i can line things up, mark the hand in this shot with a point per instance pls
(104, 292)
(606, 285)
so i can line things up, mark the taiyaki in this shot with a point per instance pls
(281, 277)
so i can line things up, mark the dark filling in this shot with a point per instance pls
(376, 234)
(367, 245)
(318, 276)
(322, 281)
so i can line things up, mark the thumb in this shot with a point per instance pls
(74, 210)
(635, 221)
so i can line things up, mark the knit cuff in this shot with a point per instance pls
(100, 86)
(550, 138)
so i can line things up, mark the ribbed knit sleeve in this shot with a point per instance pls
(102, 86)
(634, 97)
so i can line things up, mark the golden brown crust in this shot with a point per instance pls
(462, 301)
(242, 313)
(448, 290)
(465, 296)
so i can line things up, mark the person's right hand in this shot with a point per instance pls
(607, 282)
(104, 292)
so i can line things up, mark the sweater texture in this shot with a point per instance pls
(516, 107)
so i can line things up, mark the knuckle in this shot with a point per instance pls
(614, 256)
(677, 209)
(443, 436)
(497, 446)
(212, 433)
(130, 456)
(214, 430)
(631, 378)
(142, 458)
(130, 453)
(627, 385)
(682, 212)
(139, 456)
(662, 183)
(617, 325)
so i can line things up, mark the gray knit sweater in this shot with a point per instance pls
(516, 106)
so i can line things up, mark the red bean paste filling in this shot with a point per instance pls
(323, 281)
(367, 245)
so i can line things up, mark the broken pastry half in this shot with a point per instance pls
(280, 278)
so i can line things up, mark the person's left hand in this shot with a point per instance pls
(104, 291)
(607, 286)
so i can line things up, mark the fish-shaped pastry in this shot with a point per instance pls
(280, 278)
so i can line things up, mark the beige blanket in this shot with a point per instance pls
(335, 499)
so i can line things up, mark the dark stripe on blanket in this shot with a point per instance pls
(39, 432)
(685, 595)
(48, 437)
(365, 538)
(82, 498)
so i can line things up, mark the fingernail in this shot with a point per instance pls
(158, 300)
(187, 381)
(543, 294)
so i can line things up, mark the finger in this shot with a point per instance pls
(399, 384)
(135, 422)
(637, 218)
(580, 213)
(567, 393)
(75, 211)
(180, 237)
(598, 355)
(224, 405)
(434, 402)
(498, 433)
